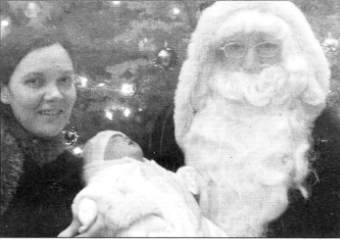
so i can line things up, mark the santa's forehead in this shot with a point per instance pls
(252, 21)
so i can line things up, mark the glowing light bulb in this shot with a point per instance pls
(109, 114)
(5, 29)
(32, 10)
(128, 89)
(77, 150)
(127, 112)
(175, 11)
(116, 3)
(82, 81)
(4, 23)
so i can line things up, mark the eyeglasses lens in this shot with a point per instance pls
(267, 49)
(264, 49)
(234, 50)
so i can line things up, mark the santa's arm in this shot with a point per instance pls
(195, 184)
(192, 180)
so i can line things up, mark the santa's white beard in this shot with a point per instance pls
(250, 143)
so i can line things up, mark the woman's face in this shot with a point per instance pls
(41, 91)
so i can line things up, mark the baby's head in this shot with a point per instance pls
(110, 145)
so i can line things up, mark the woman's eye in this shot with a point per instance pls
(34, 82)
(66, 80)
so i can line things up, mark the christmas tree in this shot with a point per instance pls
(128, 56)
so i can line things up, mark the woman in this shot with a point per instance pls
(39, 179)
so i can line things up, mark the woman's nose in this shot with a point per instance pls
(53, 93)
(251, 62)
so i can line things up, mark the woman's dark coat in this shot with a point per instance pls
(37, 188)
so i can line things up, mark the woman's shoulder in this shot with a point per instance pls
(6, 137)
(12, 160)
(9, 147)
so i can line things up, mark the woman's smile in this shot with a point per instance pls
(50, 112)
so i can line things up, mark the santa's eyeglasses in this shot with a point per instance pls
(239, 50)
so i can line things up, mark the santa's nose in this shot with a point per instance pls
(250, 61)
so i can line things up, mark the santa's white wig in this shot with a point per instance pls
(302, 54)
(251, 158)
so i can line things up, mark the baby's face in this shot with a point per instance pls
(120, 145)
(110, 145)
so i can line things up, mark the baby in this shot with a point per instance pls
(127, 195)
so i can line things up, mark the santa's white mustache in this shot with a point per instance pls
(273, 85)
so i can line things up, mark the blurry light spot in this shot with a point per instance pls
(32, 10)
(77, 150)
(4, 23)
(127, 112)
(109, 114)
(5, 29)
(115, 2)
(101, 84)
(128, 89)
(176, 11)
(82, 81)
